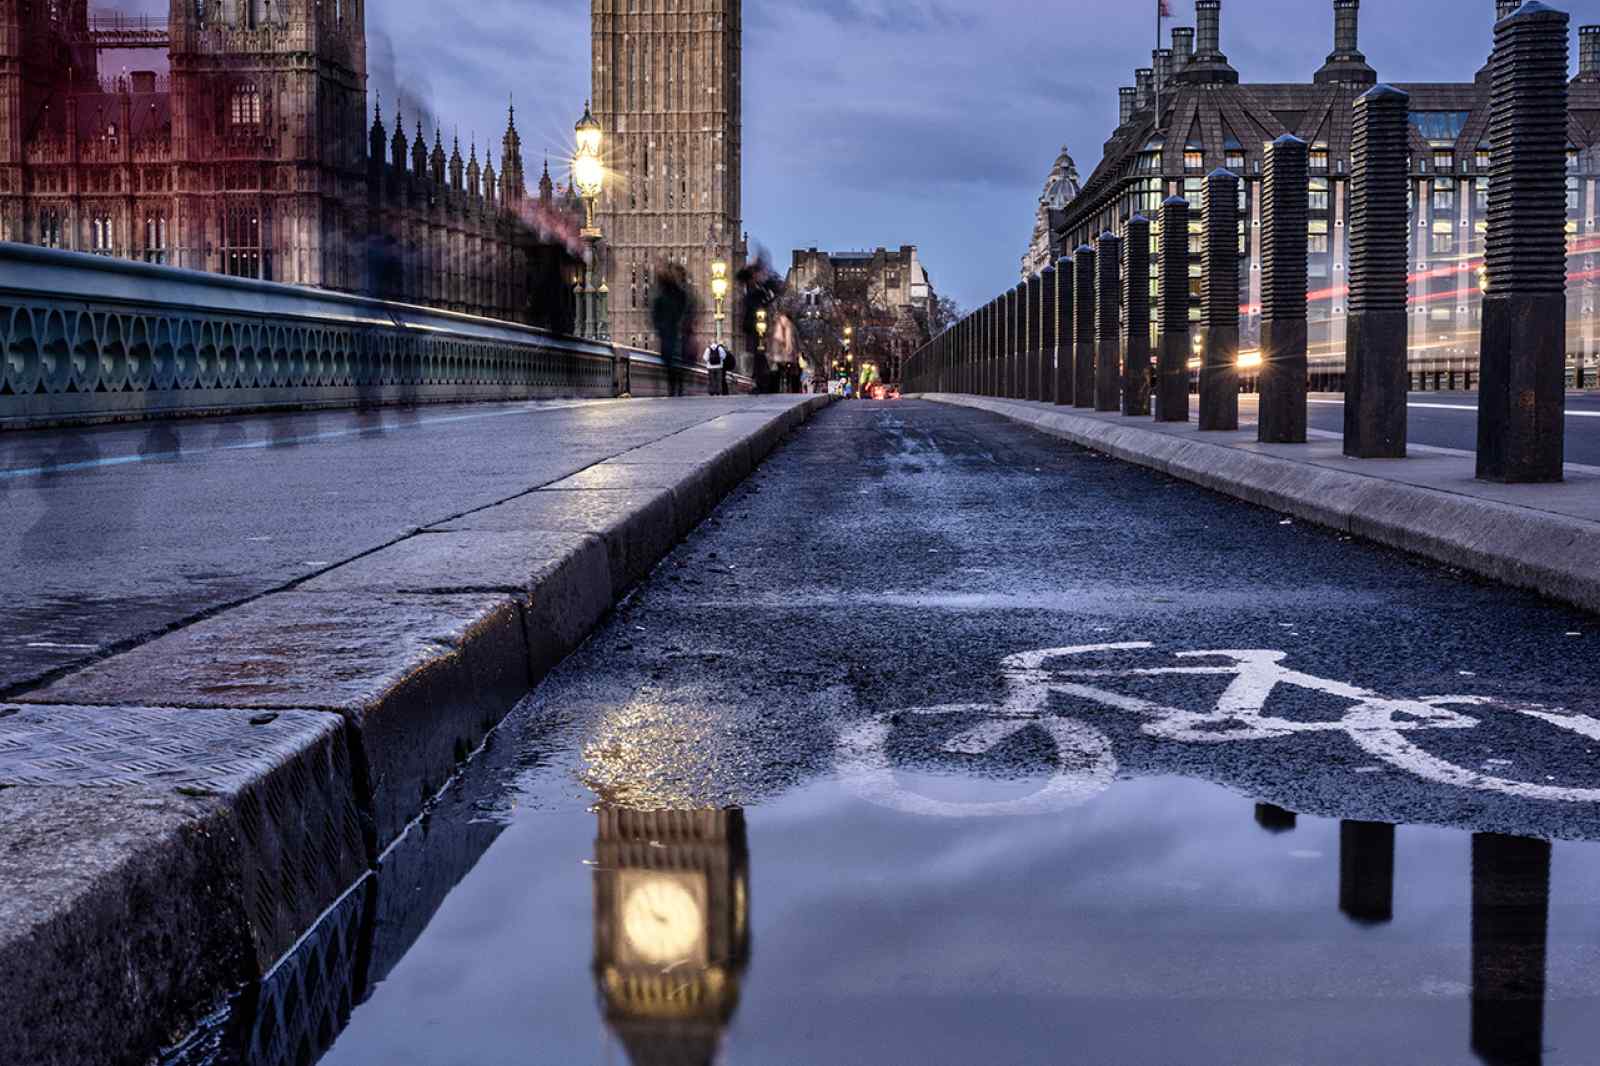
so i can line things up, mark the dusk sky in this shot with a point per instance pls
(926, 122)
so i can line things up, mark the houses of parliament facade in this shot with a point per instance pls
(254, 157)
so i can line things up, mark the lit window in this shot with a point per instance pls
(1317, 194)
(1193, 159)
(245, 109)
(1317, 236)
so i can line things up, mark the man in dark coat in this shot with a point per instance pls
(669, 313)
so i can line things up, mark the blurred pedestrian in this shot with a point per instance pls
(670, 313)
(716, 360)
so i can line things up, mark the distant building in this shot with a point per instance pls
(1060, 189)
(886, 296)
(667, 91)
(1209, 119)
(253, 157)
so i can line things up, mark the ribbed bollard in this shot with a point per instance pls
(1049, 325)
(1375, 380)
(1066, 331)
(1013, 344)
(1522, 398)
(1136, 302)
(1219, 373)
(991, 350)
(1172, 349)
(1284, 209)
(1083, 327)
(1510, 946)
(1108, 323)
(1036, 376)
(1030, 337)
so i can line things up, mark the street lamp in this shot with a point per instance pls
(589, 177)
(761, 329)
(719, 291)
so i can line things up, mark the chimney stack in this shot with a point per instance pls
(1208, 66)
(1208, 37)
(1589, 54)
(1144, 82)
(1162, 58)
(1127, 94)
(1346, 27)
(1182, 47)
(1346, 65)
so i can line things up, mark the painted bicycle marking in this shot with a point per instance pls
(1378, 724)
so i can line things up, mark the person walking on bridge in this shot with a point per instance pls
(716, 361)
(671, 309)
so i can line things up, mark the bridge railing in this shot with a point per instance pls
(87, 338)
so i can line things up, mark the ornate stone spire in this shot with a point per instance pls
(547, 188)
(457, 169)
(419, 154)
(397, 145)
(437, 159)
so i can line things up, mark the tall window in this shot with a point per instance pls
(155, 238)
(1317, 195)
(50, 228)
(244, 111)
(1444, 237)
(1444, 194)
(101, 235)
(243, 255)
(1317, 236)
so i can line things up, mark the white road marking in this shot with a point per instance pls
(1381, 726)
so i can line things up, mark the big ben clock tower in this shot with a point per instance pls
(671, 930)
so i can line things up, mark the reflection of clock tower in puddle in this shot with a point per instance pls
(671, 929)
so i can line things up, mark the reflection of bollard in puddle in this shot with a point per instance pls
(1366, 872)
(1510, 920)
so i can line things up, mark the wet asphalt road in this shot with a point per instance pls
(727, 821)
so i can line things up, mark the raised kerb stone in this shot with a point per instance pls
(1172, 355)
(1219, 373)
(1284, 211)
(1375, 346)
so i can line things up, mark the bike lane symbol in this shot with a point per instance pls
(1380, 725)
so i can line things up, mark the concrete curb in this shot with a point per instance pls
(1548, 553)
(313, 724)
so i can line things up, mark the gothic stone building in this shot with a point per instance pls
(667, 91)
(1208, 118)
(251, 158)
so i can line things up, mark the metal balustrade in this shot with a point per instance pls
(89, 338)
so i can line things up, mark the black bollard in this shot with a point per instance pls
(1108, 323)
(1066, 332)
(1284, 208)
(1049, 324)
(1172, 353)
(1522, 398)
(1036, 335)
(1375, 347)
(1083, 354)
(1219, 373)
(1136, 299)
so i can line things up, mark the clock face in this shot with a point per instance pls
(661, 920)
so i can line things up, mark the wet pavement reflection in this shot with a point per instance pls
(963, 802)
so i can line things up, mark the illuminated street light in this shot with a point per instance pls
(589, 178)
(719, 291)
(761, 329)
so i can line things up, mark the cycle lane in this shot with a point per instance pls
(804, 733)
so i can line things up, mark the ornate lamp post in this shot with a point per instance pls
(761, 329)
(589, 175)
(719, 292)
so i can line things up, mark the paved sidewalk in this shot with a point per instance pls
(217, 758)
(1541, 537)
